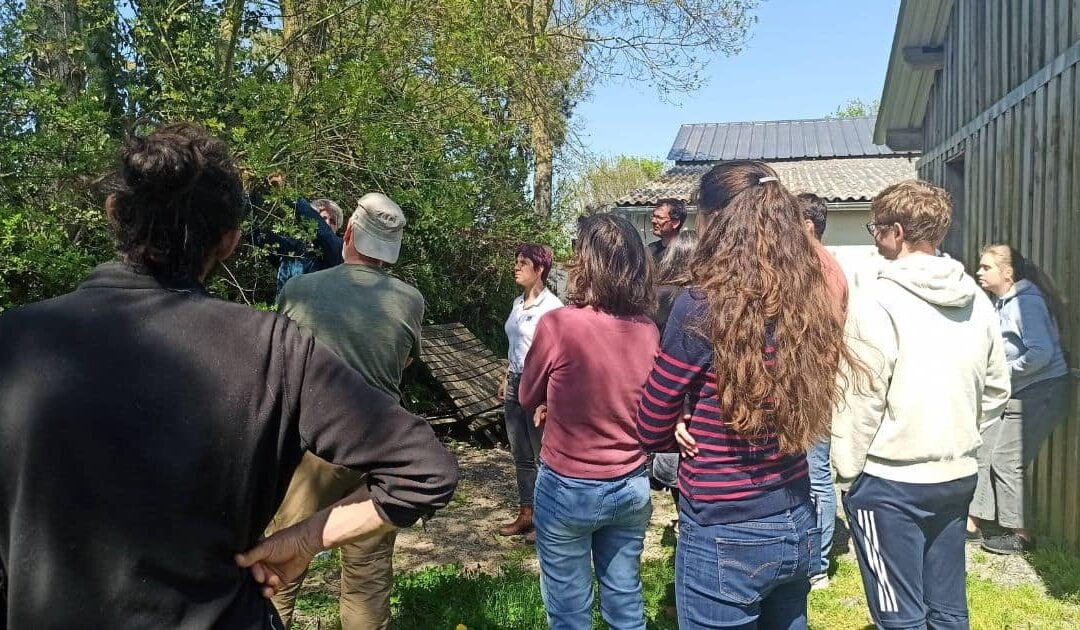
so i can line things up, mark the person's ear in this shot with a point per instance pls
(899, 231)
(228, 244)
(347, 236)
(110, 208)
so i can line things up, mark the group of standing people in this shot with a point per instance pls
(208, 451)
(763, 382)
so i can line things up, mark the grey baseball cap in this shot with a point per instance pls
(377, 225)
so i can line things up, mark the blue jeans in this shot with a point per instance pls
(582, 523)
(751, 574)
(824, 496)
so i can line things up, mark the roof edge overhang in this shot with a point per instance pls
(915, 58)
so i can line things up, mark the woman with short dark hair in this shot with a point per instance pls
(584, 374)
(532, 264)
(156, 427)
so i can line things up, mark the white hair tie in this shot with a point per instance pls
(768, 179)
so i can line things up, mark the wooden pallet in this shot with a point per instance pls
(469, 373)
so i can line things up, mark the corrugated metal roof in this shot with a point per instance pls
(777, 140)
(840, 179)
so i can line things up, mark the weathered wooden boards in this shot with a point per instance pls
(469, 373)
(1007, 103)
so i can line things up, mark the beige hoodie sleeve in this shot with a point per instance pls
(997, 388)
(871, 337)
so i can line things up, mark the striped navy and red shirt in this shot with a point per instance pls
(732, 478)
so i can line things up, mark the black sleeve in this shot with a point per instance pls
(346, 421)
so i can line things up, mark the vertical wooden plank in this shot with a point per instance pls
(1050, 159)
(1074, 10)
(990, 39)
(1038, 177)
(1023, 35)
(1070, 278)
(1007, 176)
(1018, 228)
(1061, 17)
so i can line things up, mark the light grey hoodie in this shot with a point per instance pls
(932, 342)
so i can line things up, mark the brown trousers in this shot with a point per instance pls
(367, 569)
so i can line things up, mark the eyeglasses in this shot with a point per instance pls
(873, 228)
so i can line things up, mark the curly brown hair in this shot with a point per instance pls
(761, 275)
(610, 270)
(925, 210)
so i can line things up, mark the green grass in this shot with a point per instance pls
(443, 597)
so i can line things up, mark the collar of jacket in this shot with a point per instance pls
(119, 275)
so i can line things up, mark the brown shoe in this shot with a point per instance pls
(521, 525)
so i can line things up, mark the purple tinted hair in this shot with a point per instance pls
(539, 255)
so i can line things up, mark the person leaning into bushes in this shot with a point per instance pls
(148, 430)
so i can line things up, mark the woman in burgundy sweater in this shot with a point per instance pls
(585, 371)
(753, 349)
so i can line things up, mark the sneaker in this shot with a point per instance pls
(819, 582)
(974, 536)
(1008, 545)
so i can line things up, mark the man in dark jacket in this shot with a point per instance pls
(148, 431)
(294, 256)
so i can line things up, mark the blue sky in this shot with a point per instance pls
(804, 59)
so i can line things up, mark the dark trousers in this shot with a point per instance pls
(909, 539)
(524, 437)
(1010, 446)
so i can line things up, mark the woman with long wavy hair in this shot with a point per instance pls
(753, 348)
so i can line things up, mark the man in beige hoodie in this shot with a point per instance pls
(907, 443)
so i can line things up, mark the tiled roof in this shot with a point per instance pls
(777, 140)
(841, 179)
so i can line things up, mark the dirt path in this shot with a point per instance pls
(465, 532)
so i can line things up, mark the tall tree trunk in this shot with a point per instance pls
(231, 20)
(306, 34)
(58, 28)
(543, 148)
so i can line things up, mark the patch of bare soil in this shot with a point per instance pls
(465, 531)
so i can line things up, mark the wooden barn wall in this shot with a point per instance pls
(991, 47)
(1020, 177)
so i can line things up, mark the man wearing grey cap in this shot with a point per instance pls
(372, 320)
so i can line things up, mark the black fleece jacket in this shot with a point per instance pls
(148, 432)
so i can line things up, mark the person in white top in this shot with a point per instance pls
(531, 268)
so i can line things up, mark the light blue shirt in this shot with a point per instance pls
(1032, 341)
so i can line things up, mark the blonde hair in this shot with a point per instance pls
(923, 209)
(1023, 268)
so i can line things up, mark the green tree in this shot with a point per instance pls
(597, 183)
(856, 108)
